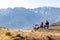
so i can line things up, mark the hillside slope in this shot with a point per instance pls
(55, 24)
(14, 34)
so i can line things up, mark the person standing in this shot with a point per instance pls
(47, 24)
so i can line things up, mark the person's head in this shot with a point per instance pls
(36, 25)
(46, 20)
(41, 22)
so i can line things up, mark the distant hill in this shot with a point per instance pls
(20, 17)
(55, 24)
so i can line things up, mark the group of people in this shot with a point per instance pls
(42, 25)
(46, 24)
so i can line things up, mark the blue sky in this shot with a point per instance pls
(29, 3)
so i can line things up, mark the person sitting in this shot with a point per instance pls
(36, 27)
(41, 25)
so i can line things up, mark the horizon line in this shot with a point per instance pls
(30, 8)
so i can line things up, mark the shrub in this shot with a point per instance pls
(8, 34)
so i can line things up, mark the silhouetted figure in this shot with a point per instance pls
(36, 27)
(41, 25)
(47, 24)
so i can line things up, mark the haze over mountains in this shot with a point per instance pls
(20, 17)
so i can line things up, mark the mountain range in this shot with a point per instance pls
(23, 18)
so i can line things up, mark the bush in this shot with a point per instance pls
(18, 35)
(8, 33)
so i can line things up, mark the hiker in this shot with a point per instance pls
(41, 25)
(36, 27)
(47, 24)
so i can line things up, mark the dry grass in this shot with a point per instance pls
(51, 34)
